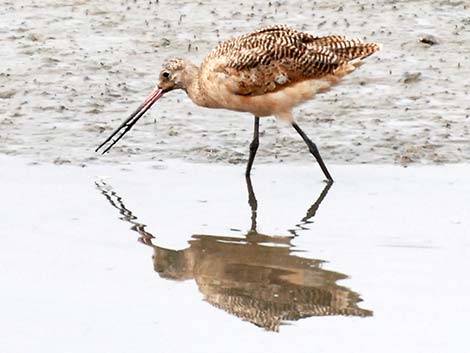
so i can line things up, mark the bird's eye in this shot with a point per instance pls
(166, 74)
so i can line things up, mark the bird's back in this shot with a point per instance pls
(277, 57)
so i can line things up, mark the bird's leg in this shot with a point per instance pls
(253, 147)
(313, 150)
(252, 202)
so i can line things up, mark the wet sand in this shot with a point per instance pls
(73, 70)
(382, 256)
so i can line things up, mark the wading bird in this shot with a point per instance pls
(266, 72)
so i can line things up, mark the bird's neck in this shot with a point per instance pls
(191, 85)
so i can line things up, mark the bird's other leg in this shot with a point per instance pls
(253, 147)
(313, 150)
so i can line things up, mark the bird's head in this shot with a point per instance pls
(172, 74)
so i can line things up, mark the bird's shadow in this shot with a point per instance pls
(259, 278)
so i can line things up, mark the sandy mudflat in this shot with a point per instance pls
(388, 246)
(72, 70)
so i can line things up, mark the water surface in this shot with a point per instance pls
(376, 263)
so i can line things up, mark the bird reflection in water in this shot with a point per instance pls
(256, 278)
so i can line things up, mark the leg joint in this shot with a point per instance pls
(254, 145)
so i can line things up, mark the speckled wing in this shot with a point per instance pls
(274, 57)
(271, 58)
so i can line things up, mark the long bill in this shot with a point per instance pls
(117, 134)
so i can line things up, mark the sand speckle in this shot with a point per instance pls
(83, 66)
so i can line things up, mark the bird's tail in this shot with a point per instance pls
(348, 49)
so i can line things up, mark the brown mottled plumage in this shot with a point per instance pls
(266, 72)
(244, 73)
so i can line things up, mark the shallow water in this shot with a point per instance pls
(178, 257)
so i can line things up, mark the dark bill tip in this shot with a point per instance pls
(117, 134)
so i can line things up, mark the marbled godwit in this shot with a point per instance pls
(266, 72)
